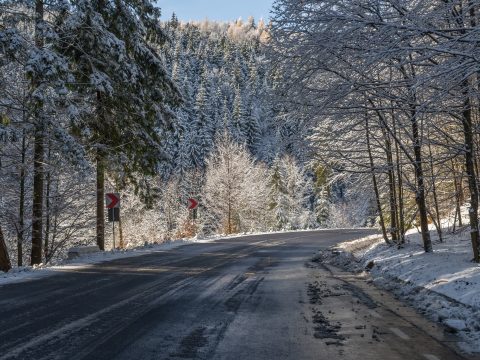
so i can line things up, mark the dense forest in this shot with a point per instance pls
(100, 97)
(334, 114)
(167, 185)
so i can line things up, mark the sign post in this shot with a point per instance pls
(112, 201)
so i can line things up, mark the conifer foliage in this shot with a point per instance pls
(89, 85)
(103, 96)
(222, 74)
(111, 48)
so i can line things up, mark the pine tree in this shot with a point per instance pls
(110, 47)
(174, 23)
(322, 208)
(320, 188)
(39, 136)
(289, 193)
(238, 116)
(217, 100)
(202, 63)
(253, 78)
(277, 196)
(177, 73)
(251, 127)
(204, 122)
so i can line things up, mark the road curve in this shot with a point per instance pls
(253, 297)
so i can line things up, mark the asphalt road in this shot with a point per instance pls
(255, 297)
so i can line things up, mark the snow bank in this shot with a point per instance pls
(444, 285)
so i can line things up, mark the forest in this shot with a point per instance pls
(333, 114)
(391, 91)
(99, 96)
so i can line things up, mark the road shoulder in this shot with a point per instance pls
(425, 308)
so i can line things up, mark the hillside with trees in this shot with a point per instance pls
(167, 186)
(100, 97)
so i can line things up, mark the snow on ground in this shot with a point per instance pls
(444, 285)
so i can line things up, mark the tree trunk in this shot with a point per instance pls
(437, 220)
(401, 206)
(420, 198)
(458, 195)
(400, 203)
(5, 264)
(100, 160)
(100, 202)
(120, 231)
(47, 211)
(401, 210)
(391, 179)
(229, 200)
(470, 171)
(37, 213)
(21, 206)
(391, 188)
(420, 195)
(374, 181)
(38, 154)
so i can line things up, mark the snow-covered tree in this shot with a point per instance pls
(289, 192)
(235, 195)
(391, 96)
(111, 48)
(223, 76)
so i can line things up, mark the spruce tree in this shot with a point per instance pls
(113, 48)
(277, 196)
(238, 116)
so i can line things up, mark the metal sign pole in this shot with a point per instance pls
(113, 222)
(113, 205)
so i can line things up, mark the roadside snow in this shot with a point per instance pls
(444, 285)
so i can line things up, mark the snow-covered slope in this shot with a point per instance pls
(445, 284)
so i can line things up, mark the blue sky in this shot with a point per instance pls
(221, 10)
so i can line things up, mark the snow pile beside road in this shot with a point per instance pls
(444, 285)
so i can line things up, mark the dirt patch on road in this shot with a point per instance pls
(190, 345)
(326, 330)
(319, 290)
(233, 303)
(323, 328)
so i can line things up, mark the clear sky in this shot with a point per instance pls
(220, 10)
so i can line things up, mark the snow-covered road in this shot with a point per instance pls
(254, 297)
